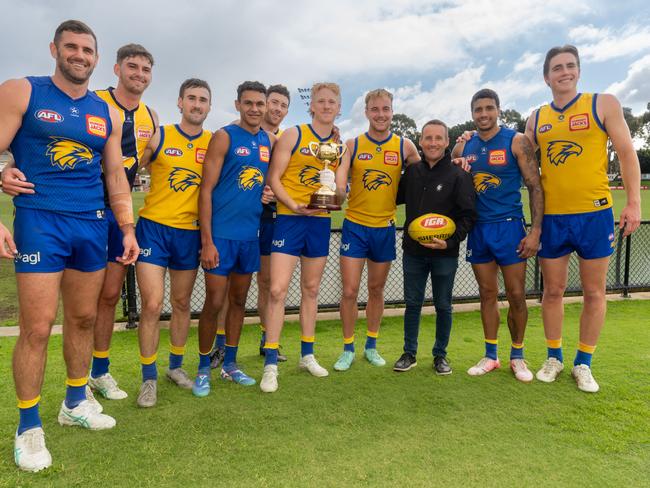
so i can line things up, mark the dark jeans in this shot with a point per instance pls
(416, 271)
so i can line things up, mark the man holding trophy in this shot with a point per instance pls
(304, 160)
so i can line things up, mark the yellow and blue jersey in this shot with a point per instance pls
(176, 168)
(59, 148)
(375, 169)
(301, 177)
(573, 146)
(496, 175)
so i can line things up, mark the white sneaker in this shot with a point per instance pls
(521, 371)
(484, 366)
(309, 363)
(30, 452)
(85, 415)
(584, 378)
(179, 377)
(93, 401)
(107, 387)
(550, 370)
(269, 383)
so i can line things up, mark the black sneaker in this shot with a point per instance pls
(281, 357)
(216, 357)
(441, 366)
(405, 362)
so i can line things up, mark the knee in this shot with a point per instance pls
(263, 282)
(151, 306)
(83, 320)
(37, 335)
(181, 304)
(592, 295)
(376, 291)
(109, 298)
(277, 294)
(350, 292)
(238, 300)
(309, 291)
(516, 297)
(488, 294)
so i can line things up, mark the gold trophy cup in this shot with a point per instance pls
(326, 152)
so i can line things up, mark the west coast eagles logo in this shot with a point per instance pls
(66, 153)
(180, 179)
(309, 176)
(559, 151)
(373, 179)
(249, 177)
(485, 181)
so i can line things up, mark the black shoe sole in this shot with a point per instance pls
(401, 370)
(281, 357)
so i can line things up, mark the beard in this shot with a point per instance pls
(71, 75)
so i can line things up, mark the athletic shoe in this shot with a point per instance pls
(85, 415)
(405, 362)
(441, 366)
(201, 386)
(344, 361)
(216, 357)
(484, 366)
(106, 386)
(148, 395)
(550, 370)
(521, 371)
(310, 364)
(180, 378)
(30, 452)
(269, 382)
(237, 376)
(93, 401)
(584, 378)
(281, 357)
(373, 357)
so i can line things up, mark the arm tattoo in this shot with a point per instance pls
(530, 171)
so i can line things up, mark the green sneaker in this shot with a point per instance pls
(344, 361)
(374, 358)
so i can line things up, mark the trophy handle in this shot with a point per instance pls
(313, 144)
(340, 150)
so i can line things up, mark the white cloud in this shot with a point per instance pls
(605, 44)
(634, 90)
(528, 61)
(586, 33)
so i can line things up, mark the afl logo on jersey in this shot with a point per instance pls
(242, 151)
(545, 128)
(364, 157)
(470, 158)
(173, 152)
(497, 157)
(305, 151)
(50, 116)
(579, 122)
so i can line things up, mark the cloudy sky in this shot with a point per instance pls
(432, 54)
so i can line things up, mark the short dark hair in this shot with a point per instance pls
(250, 86)
(76, 26)
(484, 93)
(193, 83)
(554, 51)
(280, 90)
(132, 50)
(436, 122)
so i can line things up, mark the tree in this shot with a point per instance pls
(458, 129)
(404, 126)
(511, 118)
(636, 125)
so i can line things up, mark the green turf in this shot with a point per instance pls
(368, 426)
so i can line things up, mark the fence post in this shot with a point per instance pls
(131, 299)
(626, 274)
(619, 251)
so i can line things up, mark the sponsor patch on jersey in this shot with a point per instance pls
(173, 152)
(264, 154)
(200, 155)
(497, 157)
(242, 151)
(601, 202)
(143, 133)
(96, 126)
(305, 151)
(545, 128)
(391, 158)
(364, 157)
(45, 115)
(579, 122)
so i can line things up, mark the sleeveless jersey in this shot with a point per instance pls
(269, 210)
(59, 148)
(137, 129)
(375, 170)
(236, 199)
(496, 175)
(301, 177)
(573, 146)
(176, 168)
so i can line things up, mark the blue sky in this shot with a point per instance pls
(432, 54)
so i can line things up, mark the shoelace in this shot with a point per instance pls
(35, 440)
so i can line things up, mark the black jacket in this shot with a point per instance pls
(444, 189)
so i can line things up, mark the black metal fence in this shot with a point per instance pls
(629, 270)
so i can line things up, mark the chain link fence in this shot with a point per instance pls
(629, 270)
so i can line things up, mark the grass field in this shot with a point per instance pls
(366, 427)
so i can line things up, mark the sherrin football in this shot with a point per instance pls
(427, 226)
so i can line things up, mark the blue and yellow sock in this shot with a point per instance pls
(176, 354)
(263, 338)
(348, 343)
(220, 340)
(204, 362)
(517, 351)
(100, 364)
(230, 358)
(271, 353)
(554, 349)
(491, 348)
(584, 354)
(306, 345)
(149, 369)
(75, 391)
(371, 339)
(29, 417)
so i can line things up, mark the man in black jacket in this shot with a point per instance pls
(436, 185)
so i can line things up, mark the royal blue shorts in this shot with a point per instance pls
(266, 236)
(590, 234)
(495, 241)
(49, 242)
(242, 257)
(302, 235)
(374, 243)
(167, 246)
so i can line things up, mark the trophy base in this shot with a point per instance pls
(323, 202)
